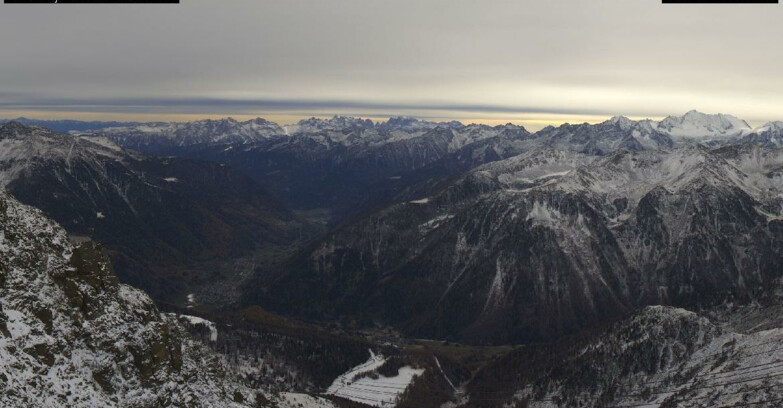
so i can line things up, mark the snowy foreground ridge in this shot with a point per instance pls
(72, 336)
(380, 392)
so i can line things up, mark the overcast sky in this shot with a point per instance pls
(525, 61)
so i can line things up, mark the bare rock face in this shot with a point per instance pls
(71, 335)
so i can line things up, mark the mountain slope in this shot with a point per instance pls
(606, 137)
(70, 335)
(657, 357)
(769, 135)
(540, 245)
(157, 216)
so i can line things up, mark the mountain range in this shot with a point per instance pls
(593, 221)
(341, 166)
(629, 263)
(344, 166)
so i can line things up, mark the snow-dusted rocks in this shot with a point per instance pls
(71, 335)
(201, 323)
(658, 357)
(769, 135)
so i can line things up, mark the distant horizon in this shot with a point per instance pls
(534, 63)
(532, 124)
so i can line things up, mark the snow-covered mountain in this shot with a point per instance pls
(163, 138)
(770, 135)
(694, 126)
(623, 133)
(549, 242)
(71, 335)
(339, 123)
(346, 165)
(336, 123)
(699, 126)
(65, 126)
(606, 137)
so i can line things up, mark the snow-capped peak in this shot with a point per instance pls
(698, 125)
(621, 121)
(769, 127)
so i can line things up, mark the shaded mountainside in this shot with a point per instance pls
(71, 335)
(541, 245)
(342, 165)
(657, 357)
(348, 179)
(157, 216)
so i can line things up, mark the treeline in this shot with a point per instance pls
(280, 354)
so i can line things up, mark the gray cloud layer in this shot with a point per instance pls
(634, 57)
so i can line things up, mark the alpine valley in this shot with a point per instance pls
(349, 263)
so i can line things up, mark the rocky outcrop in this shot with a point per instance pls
(71, 335)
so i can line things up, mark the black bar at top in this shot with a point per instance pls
(90, 1)
(720, 1)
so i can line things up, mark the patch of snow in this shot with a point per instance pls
(103, 142)
(434, 223)
(191, 300)
(296, 400)
(542, 213)
(769, 217)
(380, 392)
(197, 321)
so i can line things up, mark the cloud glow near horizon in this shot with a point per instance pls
(533, 62)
